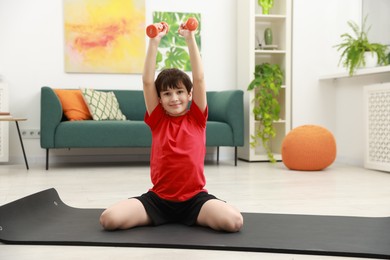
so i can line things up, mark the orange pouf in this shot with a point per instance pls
(308, 148)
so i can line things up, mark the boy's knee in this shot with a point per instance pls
(232, 223)
(107, 221)
(236, 223)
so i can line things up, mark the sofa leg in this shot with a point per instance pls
(217, 154)
(47, 159)
(235, 155)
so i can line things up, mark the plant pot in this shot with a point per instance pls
(371, 59)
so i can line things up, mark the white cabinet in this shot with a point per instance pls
(251, 24)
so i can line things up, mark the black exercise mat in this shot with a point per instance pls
(42, 218)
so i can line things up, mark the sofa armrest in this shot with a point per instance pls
(227, 106)
(51, 116)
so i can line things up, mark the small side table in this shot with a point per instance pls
(16, 120)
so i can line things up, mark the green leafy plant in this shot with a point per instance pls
(266, 86)
(354, 47)
(266, 5)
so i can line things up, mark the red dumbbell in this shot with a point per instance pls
(154, 29)
(191, 24)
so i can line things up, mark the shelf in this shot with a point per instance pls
(269, 18)
(280, 121)
(359, 72)
(270, 52)
(264, 158)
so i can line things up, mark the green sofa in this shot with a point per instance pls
(225, 125)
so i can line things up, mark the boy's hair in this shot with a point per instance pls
(171, 78)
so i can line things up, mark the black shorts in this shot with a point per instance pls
(163, 211)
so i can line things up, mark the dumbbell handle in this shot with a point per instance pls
(191, 24)
(154, 29)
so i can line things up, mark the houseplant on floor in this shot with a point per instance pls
(266, 86)
(354, 48)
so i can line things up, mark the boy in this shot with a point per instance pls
(177, 155)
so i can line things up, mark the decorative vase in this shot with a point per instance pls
(371, 59)
(265, 10)
(266, 5)
(268, 36)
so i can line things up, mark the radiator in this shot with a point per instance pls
(377, 126)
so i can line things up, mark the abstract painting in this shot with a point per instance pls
(173, 51)
(104, 36)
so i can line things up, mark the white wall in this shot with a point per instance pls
(377, 12)
(31, 56)
(317, 28)
(336, 105)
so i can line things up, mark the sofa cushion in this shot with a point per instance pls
(132, 103)
(102, 105)
(107, 133)
(73, 104)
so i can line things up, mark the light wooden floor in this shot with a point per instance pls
(252, 187)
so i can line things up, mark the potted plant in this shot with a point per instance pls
(266, 86)
(266, 5)
(354, 48)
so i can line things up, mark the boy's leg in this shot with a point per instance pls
(220, 216)
(124, 215)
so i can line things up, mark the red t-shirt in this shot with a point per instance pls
(178, 151)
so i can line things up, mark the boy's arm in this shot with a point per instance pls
(199, 85)
(150, 92)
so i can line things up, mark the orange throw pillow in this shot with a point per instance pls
(73, 104)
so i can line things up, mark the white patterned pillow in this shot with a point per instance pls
(102, 105)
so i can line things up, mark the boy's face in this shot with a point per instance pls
(175, 100)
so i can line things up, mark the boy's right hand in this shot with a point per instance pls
(157, 30)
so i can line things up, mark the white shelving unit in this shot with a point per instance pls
(250, 29)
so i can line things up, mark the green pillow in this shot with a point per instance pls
(102, 105)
